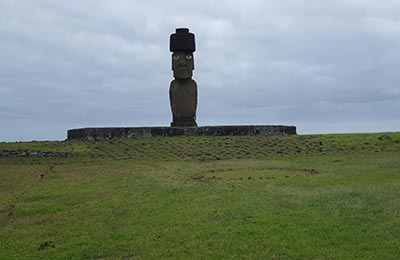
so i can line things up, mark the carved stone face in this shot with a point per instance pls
(182, 64)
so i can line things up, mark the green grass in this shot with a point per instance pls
(254, 197)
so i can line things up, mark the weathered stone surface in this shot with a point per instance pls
(183, 90)
(140, 132)
(183, 100)
(183, 65)
(27, 153)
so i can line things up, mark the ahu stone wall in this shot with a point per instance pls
(110, 133)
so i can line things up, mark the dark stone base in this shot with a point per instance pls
(187, 123)
(110, 133)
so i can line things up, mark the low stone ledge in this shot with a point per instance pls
(28, 153)
(111, 133)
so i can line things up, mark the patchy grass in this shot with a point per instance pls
(259, 197)
(206, 148)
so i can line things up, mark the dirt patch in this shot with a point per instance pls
(46, 245)
(256, 173)
(311, 171)
(204, 179)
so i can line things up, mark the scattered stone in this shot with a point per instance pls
(27, 153)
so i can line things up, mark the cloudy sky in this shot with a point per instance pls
(328, 66)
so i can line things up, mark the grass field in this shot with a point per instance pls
(252, 197)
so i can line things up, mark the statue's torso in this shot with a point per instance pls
(183, 98)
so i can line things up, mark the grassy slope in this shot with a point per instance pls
(262, 197)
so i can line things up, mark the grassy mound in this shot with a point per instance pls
(255, 197)
(218, 148)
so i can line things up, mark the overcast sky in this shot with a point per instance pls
(329, 66)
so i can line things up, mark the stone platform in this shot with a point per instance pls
(110, 133)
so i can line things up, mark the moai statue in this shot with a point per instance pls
(183, 89)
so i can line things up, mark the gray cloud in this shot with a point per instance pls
(330, 66)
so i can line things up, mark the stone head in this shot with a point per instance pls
(182, 64)
(182, 44)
